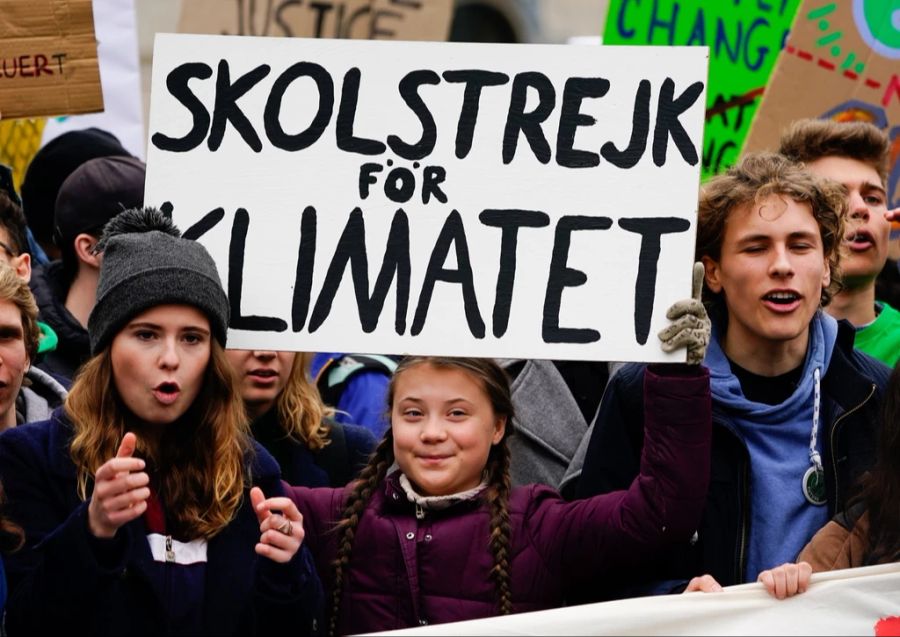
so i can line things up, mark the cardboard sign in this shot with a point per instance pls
(120, 72)
(48, 59)
(744, 39)
(529, 201)
(346, 19)
(842, 61)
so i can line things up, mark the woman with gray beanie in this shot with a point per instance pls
(146, 506)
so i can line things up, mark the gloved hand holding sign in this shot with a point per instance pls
(690, 326)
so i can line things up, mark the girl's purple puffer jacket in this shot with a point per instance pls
(406, 571)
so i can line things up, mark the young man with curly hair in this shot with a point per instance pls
(794, 404)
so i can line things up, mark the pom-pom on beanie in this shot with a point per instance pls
(146, 263)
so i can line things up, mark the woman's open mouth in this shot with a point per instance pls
(167, 392)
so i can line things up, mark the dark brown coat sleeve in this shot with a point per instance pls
(835, 547)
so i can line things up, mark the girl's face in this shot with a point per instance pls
(158, 361)
(444, 426)
(263, 374)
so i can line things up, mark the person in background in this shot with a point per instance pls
(49, 168)
(795, 406)
(556, 402)
(15, 246)
(855, 154)
(887, 285)
(146, 506)
(66, 290)
(289, 419)
(26, 393)
(356, 386)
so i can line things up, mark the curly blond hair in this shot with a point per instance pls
(301, 411)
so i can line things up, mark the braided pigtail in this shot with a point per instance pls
(497, 495)
(369, 478)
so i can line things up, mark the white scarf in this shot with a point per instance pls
(438, 502)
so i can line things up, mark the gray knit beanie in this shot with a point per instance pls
(147, 263)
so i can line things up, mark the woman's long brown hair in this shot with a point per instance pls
(200, 464)
(300, 407)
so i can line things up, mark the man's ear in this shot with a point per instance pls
(826, 275)
(84, 244)
(22, 265)
(713, 274)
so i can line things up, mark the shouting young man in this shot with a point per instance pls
(855, 154)
(795, 407)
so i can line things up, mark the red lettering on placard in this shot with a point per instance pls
(29, 65)
(892, 89)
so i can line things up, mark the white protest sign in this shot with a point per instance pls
(859, 601)
(531, 201)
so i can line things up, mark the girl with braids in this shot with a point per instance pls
(445, 538)
(868, 532)
(290, 420)
(144, 499)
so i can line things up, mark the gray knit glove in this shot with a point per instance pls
(690, 326)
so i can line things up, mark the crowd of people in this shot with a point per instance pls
(152, 480)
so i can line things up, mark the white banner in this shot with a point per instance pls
(861, 601)
(461, 199)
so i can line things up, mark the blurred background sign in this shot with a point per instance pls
(525, 21)
(841, 61)
(345, 19)
(48, 59)
(120, 74)
(116, 89)
(744, 40)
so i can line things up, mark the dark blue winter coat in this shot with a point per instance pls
(65, 581)
(334, 465)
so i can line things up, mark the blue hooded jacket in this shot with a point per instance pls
(778, 440)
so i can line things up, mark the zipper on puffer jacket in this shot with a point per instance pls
(744, 523)
(167, 575)
(740, 548)
(740, 555)
(834, 450)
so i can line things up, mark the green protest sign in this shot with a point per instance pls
(744, 39)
